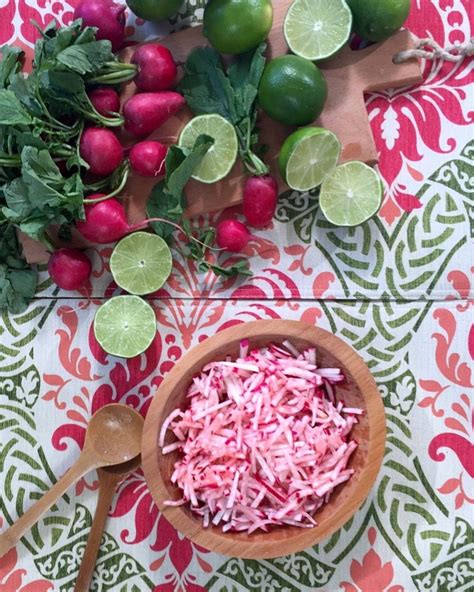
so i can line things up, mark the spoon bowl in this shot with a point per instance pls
(114, 434)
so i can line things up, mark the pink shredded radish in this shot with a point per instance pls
(264, 441)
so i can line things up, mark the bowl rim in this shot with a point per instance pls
(223, 543)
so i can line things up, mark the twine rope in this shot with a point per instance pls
(429, 49)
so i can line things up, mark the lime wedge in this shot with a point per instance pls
(125, 326)
(317, 29)
(141, 263)
(307, 156)
(351, 194)
(221, 156)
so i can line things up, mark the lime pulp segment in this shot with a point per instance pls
(221, 156)
(141, 263)
(125, 326)
(351, 194)
(317, 29)
(312, 159)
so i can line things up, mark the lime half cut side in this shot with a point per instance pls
(351, 194)
(317, 29)
(125, 326)
(141, 263)
(307, 156)
(221, 156)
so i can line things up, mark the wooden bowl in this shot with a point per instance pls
(359, 390)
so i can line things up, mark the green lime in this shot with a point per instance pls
(292, 90)
(221, 156)
(154, 10)
(237, 26)
(376, 20)
(351, 194)
(317, 29)
(307, 156)
(141, 263)
(125, 326)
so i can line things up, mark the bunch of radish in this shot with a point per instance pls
(142, 114)
(153, 104)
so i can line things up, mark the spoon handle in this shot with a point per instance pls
(107, 484)
(12, 535)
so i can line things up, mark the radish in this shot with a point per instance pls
(232, 235)
(69, 268)
(156, 68)
(260, 200)
(145, 112)
(148, 158)
(105, 100)
(106, 220)
(101, 150)
(108, 17)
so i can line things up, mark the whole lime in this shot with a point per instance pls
(292, 90)
(237, 26)
(154, 10)
(376, 20)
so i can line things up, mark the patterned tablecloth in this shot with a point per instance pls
(396, 288)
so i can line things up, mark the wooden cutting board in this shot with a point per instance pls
(349, 75)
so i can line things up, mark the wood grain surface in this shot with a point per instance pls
(359, 390)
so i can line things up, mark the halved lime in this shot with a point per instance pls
(141, 263)
(317, 29)
(351, 194)
(125, 326)
(221, 156)
(307, 156)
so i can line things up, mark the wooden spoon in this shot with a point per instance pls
(113, 436)
(109, 478)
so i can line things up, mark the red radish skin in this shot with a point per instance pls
(260, 200)
(101, 150)
(232, 236)
(146, 112)
(108, 17)
(147, 158)
(156, 68)
(105, 101)
(69, 268)
(106, 221)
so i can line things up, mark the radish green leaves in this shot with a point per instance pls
(232, 93)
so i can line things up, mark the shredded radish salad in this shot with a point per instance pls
(263, 441)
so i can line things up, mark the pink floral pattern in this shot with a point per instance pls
(15, 579)
(371, 575)
(409, 125)
(452, 402)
